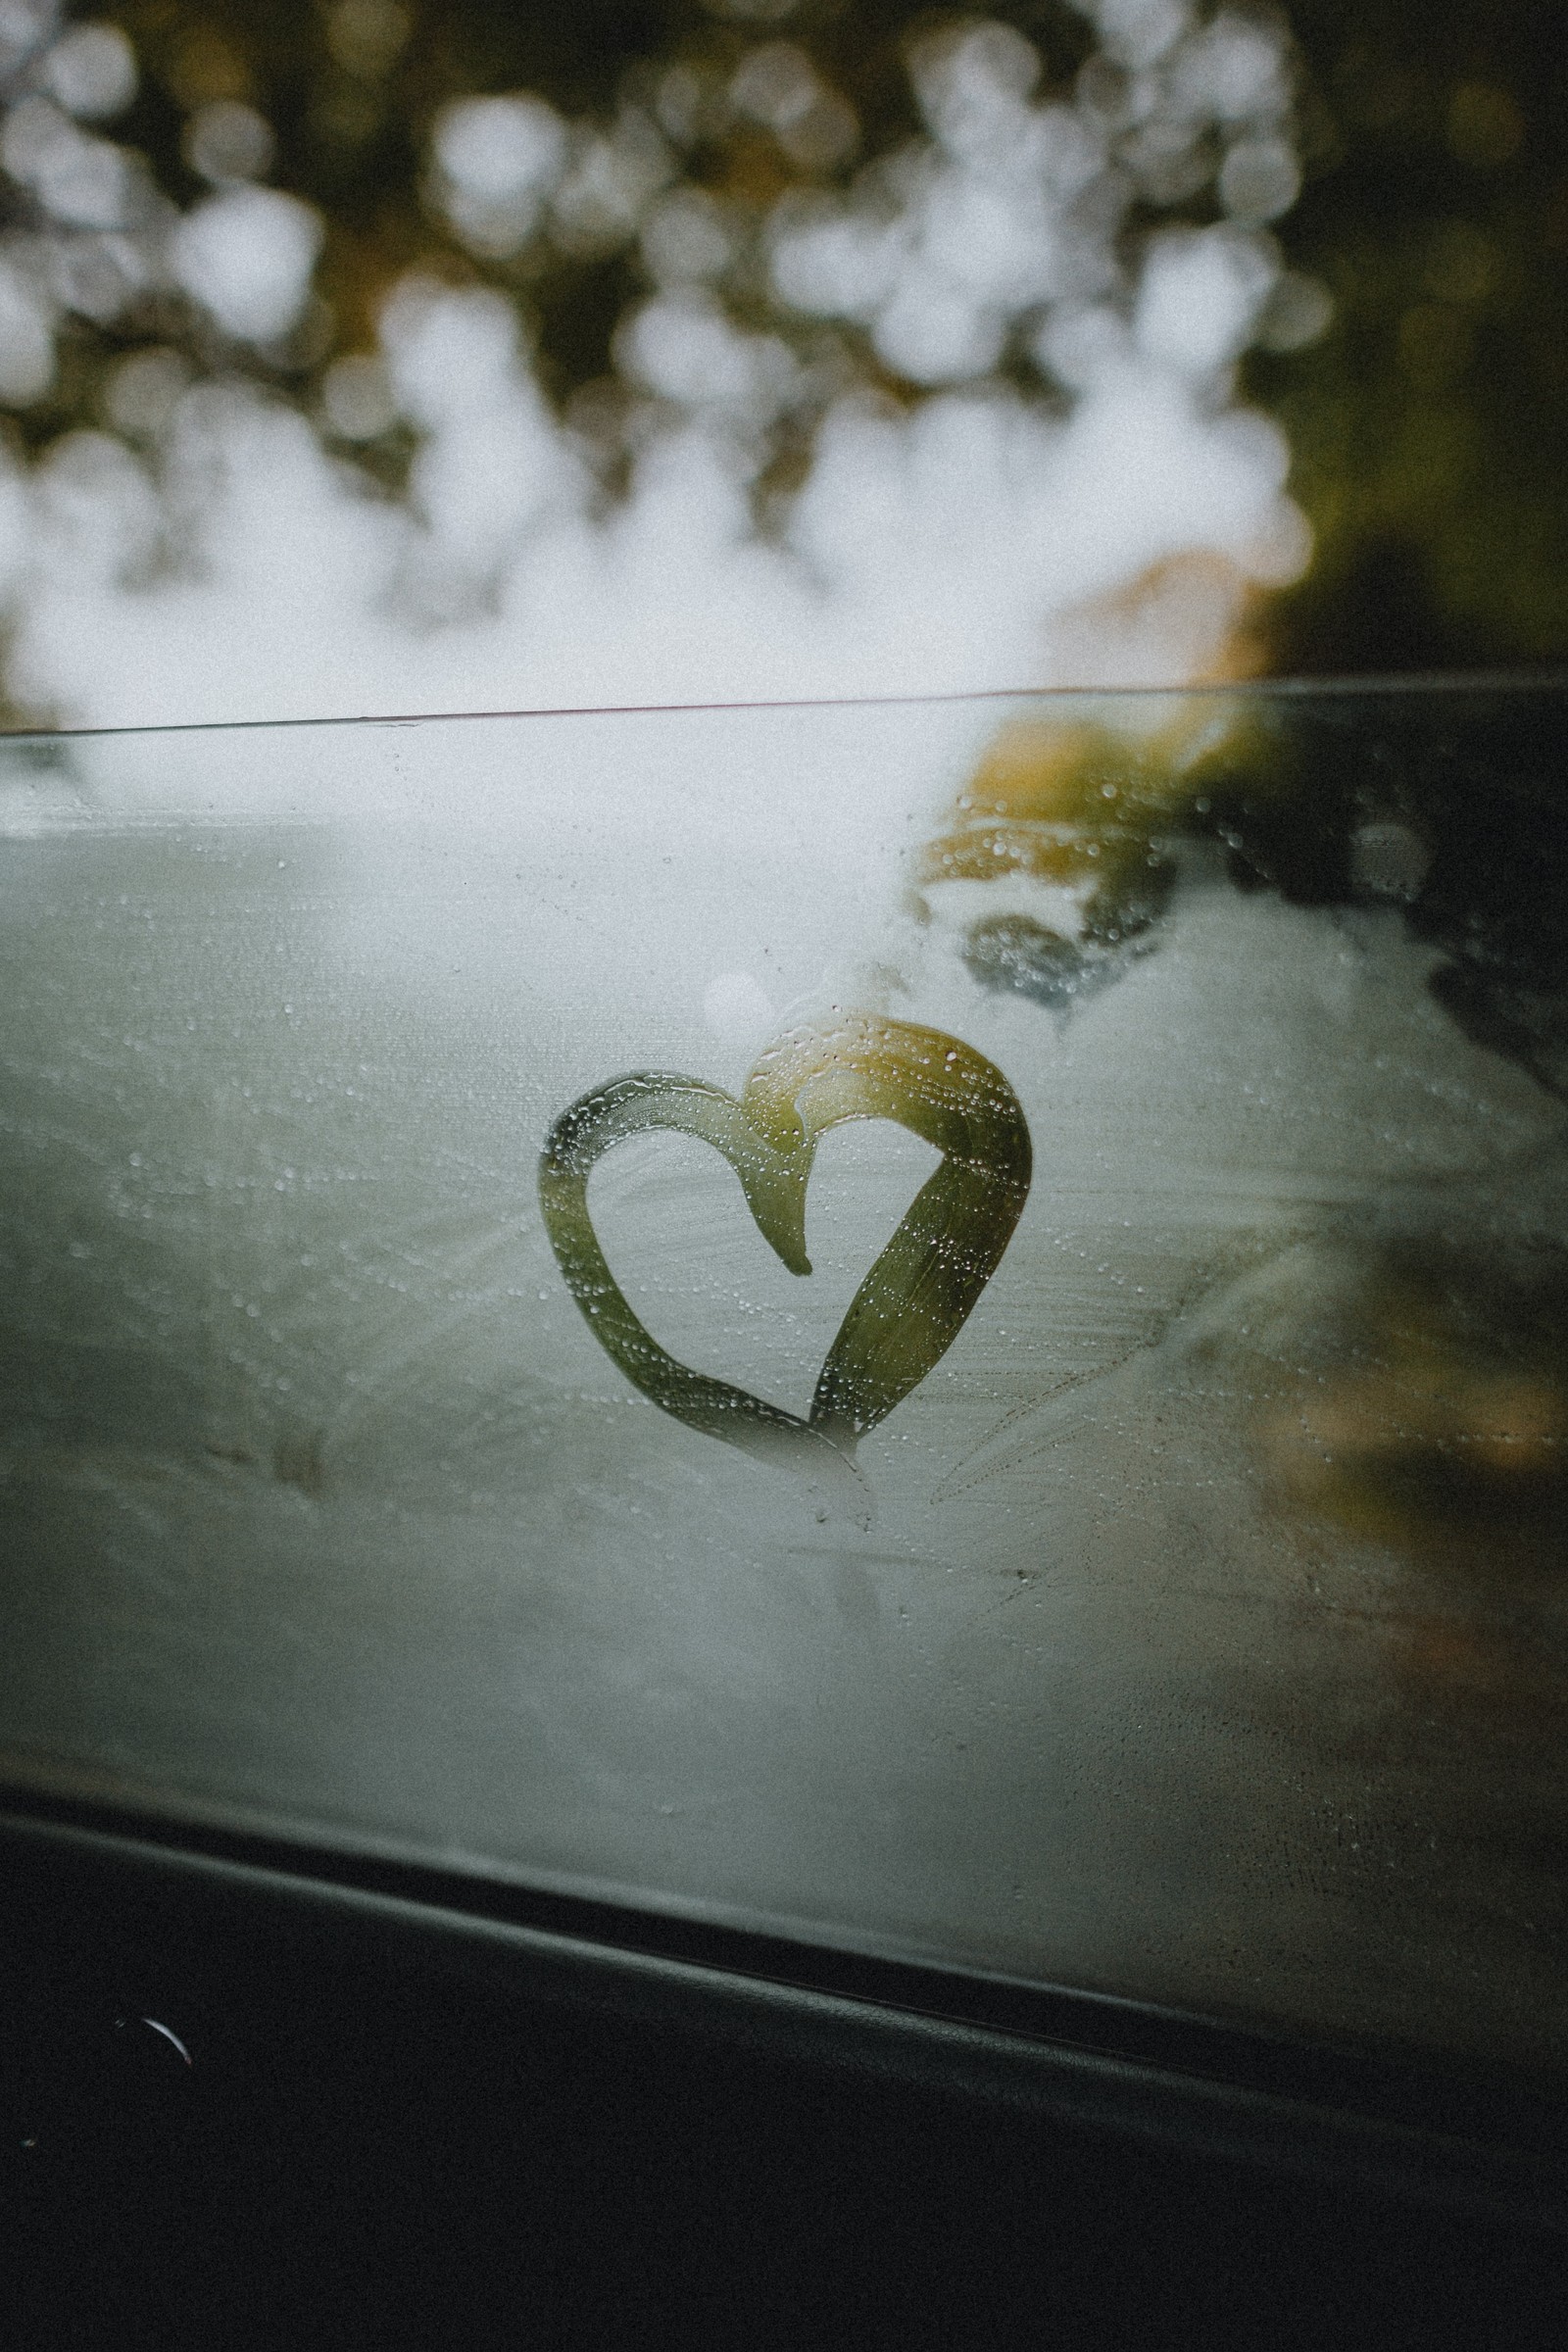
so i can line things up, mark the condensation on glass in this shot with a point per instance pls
(940, 1328)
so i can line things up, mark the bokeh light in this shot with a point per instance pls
(779, 354)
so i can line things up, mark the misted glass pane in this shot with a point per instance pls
(939, 1327)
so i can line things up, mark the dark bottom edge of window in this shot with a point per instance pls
(118, 1907)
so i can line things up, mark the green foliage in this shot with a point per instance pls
(1425, 424)
(1427, 427)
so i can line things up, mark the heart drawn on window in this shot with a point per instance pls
(918, 1296)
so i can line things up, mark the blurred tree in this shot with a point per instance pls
(1427, 425)
(1421, 409)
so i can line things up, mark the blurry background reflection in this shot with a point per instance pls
(423, 353)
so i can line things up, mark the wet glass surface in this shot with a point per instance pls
(1131, 1556)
